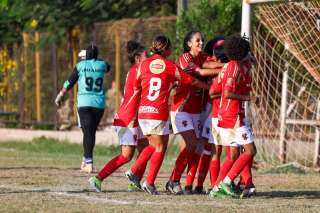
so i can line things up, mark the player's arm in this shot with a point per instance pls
(68, 84)
(208, 72)
(209, 67)
(232, 95)
(188, 80)
(212, 64)
(215, 89)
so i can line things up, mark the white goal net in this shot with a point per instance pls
(286, 44)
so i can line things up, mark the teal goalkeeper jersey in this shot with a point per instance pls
(90, 77)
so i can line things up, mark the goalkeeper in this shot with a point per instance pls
(89, 74)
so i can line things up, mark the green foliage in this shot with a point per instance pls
(60, 16)
(212, 18)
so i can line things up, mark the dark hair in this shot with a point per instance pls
(134, 49)
(236, 47)
(211, 43)
(188, 38)
(92, 52)
(215, 47)
(160, 44)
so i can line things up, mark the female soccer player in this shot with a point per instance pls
(234, 126)
(155, 78)
(187, 105)
(89, 74)
(126, 121)
(211, 150)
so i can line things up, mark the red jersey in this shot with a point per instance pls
(127, 114)
(216, 89)
(187, 98)
(235, 78)
(155, 78)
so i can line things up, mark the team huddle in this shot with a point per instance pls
(202, 98)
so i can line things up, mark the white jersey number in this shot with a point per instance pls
(154, 88)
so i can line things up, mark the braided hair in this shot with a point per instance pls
(160, 44)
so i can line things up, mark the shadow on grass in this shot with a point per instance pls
(290, 194)
(81, 191)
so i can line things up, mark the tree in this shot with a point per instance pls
(212, 18)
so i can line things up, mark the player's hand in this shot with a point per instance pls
(59, 99)
(188, 70)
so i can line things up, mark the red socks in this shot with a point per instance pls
(155, 165)
(238, 166)
(214, 171)
(192, 168)
(246, 175)
(111, 166)
(203, 168)
(180, 165)
(140, 164)
(224, 169)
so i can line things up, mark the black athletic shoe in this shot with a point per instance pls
(174, 187)
(199, 190)
(149, 189)
(188, 190)
(133, 179)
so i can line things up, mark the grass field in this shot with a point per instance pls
(43, 176)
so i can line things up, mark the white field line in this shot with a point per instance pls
(215, 203)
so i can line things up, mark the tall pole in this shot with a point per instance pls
(246, 31)
(282, 141)
(38, 83)
(74, 40)
(118, 70)
(316, 159)
(55, 79)
(182, 6)
(246, 19)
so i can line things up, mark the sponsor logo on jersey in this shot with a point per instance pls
(157, 66)
(148, 109)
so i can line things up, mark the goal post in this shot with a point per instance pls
(285, 39)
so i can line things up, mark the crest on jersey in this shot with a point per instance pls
(157, 66)
(185, 123)
(244, 136)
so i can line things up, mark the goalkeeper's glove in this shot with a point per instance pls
(59, 99)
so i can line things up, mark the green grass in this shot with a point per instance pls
(52, 146)
(43, 176)
(52, 152)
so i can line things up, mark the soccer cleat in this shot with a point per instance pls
(133, 188)
(238, 189)
(95, 183)
(174, 187)
(227, 189)
(133, 179)
(199, 190)
(217, 194)
(188, 190)
(149, 189)
(248, 192)
(86, 167)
